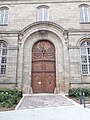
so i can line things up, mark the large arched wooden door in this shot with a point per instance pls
(43, 67)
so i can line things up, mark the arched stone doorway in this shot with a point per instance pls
(38, 32)
(43, 67)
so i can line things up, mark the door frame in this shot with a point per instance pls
(43, 85)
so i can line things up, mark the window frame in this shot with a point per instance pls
(43, 13)
(84, 13)
(3, 57)
(86, 56)
(4, 15)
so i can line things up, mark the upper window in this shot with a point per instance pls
(85, 57)
(42, 13)
(3, 57)
(84, 13)
(3, 16)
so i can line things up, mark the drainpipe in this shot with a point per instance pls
(17, 62)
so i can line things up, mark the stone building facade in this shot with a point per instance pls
(44, 45)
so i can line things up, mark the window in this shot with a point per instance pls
(42, 13)
(3, 57)
(85, 57)
(3, 16)
(84, 13)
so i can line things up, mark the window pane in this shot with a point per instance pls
(0, 52)
(3, 69)
(88, 43)
(83, 50)
(83, 43)
(81, 14)
(46, 14)
(42, 13)
(4, 52)
(88, 59)
(84, 59)
(88, 50)
(3, 60)
(6, 17)
(89, 68)
(3, 57)
(3, 16)
(84, 69)
(84, 15)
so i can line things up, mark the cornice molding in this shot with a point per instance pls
(16, 2)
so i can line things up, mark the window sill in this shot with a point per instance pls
(3, 24)
(2, 75)
(8, 82)
(84, 22)
(79, 82)
(85, 74)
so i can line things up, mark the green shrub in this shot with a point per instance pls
(14, 99)
(3, 104)
(75, 92)
(9, 97)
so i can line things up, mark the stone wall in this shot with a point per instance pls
(64, 30)
(65, 14)
(11, 66)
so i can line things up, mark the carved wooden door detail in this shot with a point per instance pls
(43, 67)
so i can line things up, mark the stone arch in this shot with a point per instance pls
(32, 34)
(6, 41)
(82, 39)
(43, 26)
(51, 24)
(4, 7)
(1, 40)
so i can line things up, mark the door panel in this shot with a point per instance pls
(50, 56)
(50, 82)
(37, 66)
(49, 66)
(43, 67)
(37, 82)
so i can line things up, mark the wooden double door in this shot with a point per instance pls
(43, 67)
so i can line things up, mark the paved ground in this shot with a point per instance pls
(52, 113)
(88, 106)
(43, 101)
(67, 109)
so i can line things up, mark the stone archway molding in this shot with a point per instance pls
(61, 36)
(43, 26)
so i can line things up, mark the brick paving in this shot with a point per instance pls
(43, 101)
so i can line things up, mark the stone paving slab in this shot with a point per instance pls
(88, 106)
(52, 113)
(43, 100)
